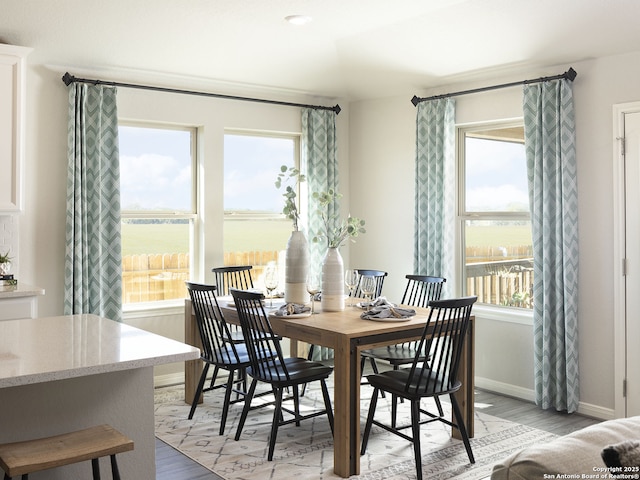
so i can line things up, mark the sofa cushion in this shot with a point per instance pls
(578, 453)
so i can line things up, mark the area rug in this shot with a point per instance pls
(306, 452)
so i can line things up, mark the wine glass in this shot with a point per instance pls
(313, 287)
(351, 281)
(270, 280)
(368, 287)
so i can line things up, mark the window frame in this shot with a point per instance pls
(192, 216)
(491, 311)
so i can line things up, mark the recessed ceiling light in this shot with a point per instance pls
(298, 19)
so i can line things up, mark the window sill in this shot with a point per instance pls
(152, 309)
(503, 314)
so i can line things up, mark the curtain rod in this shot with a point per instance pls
(68, 79)
(569, 75)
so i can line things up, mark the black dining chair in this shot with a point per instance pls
(237, 276)
(269, 365)
(216, 350)
(379, 277)
(443, 336)
(420, 290)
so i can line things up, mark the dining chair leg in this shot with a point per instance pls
(462, 427)
(196, 397)
(367, 428)
(439, 405)
(216, 369)
(246, 408)
(327, 403)
(296, 404)
(227, 400)
(415, 427)
(275, 423)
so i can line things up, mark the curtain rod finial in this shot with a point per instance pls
(415, 100)
(67, 79)
(337, 109)
(571, 74)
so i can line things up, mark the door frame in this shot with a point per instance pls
(619, 237)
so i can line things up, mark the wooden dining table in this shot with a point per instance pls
(347, 334)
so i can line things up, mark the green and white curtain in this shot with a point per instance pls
(435, 190)
(553, 193)
(320, 162)
(92, 282)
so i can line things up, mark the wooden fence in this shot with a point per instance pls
(489, 276)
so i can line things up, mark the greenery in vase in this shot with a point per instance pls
(336, 230)
(5, 258)
(291, 175)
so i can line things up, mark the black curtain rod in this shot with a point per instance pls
(569, 75)
(68, 79)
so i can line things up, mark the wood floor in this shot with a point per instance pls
(172, 465)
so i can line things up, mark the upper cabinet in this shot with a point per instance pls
(13, 63)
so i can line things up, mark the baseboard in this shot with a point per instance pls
(168, 380)
(527, 394)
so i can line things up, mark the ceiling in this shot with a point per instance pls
(353, 49)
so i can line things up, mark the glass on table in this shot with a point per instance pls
(271, 280)
(368, 287)
(313, 287)
(351, 277)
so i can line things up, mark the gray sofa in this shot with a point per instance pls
(570, 456)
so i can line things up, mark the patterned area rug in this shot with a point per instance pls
(306, 452)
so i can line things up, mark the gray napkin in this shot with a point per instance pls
(291, 309)
(380, 308)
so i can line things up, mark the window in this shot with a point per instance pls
(494, 219)
(158, 204)
(252, 203)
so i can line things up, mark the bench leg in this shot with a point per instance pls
(114, 468)
(95, 466)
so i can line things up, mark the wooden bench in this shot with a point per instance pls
(23, 458)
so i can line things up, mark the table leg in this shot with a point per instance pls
(466, 373)
(346, 404)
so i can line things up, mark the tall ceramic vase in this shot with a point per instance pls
(332, 299)
(296, 269)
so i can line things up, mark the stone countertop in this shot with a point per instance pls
(20, 290)
(53, 348)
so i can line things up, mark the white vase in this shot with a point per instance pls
(5, 268)
(332, 299)
(296, 269)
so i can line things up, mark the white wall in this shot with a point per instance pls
(382, 138)
(376, 150)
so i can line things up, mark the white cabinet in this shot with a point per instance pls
(12, 107)
(19, 302)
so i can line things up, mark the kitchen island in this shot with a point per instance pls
(59, 374)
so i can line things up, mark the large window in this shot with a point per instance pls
(252, 203)
(497, 256)
(158, 203)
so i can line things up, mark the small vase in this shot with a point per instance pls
(296, 269)
(5, 268)
(332, 299)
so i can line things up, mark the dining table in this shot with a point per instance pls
(347, 334)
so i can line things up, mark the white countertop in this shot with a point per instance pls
(54, 348)
(20, 290)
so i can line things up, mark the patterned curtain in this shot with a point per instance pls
(319, 160)
(553, 193)
(92, 280)
(435, 190)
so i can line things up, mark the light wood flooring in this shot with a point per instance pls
(172, 465)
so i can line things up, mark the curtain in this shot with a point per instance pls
(319, 160)
(435, 190)
(92, 281)
(553, 194)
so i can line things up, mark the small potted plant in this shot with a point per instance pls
(5, 263)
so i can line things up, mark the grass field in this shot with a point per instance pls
(244, 235)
